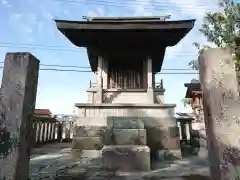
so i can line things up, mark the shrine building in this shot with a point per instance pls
(126, 111)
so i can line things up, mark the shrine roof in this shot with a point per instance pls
(192, 87)
(135, 36)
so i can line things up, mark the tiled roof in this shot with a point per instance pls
(42, 112)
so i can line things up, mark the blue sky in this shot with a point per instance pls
(31, 22)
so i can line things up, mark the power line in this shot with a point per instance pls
(29, 45)
(88, 67)
(70, 50)
(81, 71)
(150, 7)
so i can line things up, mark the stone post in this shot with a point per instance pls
(221, 112)
(19, 87)
(41, 131)
(37, 131)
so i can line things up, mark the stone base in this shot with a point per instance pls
(128, 137)
(87, 143)
(126, 157)
(203, 151)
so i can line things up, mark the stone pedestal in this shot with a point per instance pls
(126, 157)
(126, 150)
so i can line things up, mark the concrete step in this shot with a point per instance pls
(126, 157)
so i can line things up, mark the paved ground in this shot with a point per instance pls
(55, 161)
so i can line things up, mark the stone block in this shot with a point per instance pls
(161, 138)
(152, 122)
(90, 131)
(87, 143)
(91, 121)
(127, 123)
(129, 137)
(126, 157)
(169, 155)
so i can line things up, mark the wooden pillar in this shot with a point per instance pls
(45, 131)
(52, 131)
(63, 130)
(180, 129)
(41, 131)
(149, 73)
(221, 112)
(56, 131)
(105, 73)
(37, 131)
(100, 72)
(18, 96)
(49, 131)
(187, 129)
(150, 81)
(71, 130)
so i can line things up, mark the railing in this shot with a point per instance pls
(47, 129)
(92, 85)
(159, 85)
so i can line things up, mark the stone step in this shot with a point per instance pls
(87, 143)
(126, 157)
(90, 131)
(128, 137)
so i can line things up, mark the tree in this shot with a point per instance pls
(221, 29)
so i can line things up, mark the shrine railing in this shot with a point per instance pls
(158, 85)
(47, 129)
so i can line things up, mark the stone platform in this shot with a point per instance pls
(92, 133)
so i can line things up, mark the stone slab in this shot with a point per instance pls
(90, 131)
(169, 155)
(87, 143)
(126, 157)
(162, 138)
(129, 137)
(127, 123)
(91, 121)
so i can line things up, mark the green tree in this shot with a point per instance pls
(221, 29)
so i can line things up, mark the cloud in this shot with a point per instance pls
(96, 12)
(195, 8)
(139, 9)
(29, 40)
(6, 3)
(17, 15)
(65, 11)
